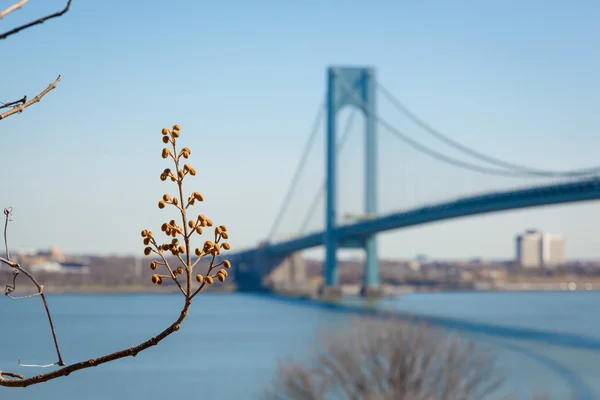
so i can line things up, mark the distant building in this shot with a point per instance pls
(553, 250)
(535, 249)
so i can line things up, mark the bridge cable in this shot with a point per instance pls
(309, 144)
(474, 153)
(424, 149)
(313, 205)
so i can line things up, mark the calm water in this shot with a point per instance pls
(229, 346)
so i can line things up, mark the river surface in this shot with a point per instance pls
(229, 346)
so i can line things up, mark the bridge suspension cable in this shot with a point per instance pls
(313, 204)
(309, 144)
(428, 151)
(524, 170)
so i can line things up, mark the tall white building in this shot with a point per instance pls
(535, 249)
(553, 250)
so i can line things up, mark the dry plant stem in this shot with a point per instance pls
(186, 238)
(19, 381)
(17, 268)
(12, 8)
(36, 22)
(36, 99)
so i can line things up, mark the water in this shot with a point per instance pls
(229, 346)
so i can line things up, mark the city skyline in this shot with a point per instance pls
(523, 93)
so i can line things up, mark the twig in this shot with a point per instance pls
(24, 104)
(16, 269)
(20, 381)
(12, 8)
(36, 22)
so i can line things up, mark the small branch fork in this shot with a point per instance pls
(11, 288)
(38, 21)
(21, 104)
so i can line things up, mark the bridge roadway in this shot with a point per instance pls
(568, 192)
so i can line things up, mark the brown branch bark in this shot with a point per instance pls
(25, 104)
(36, 22)
(12, 8)
(19, 381)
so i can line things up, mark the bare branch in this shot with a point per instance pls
(24, 103)
(10, 379)
(16, 269)
(36, 22)
(12, 8)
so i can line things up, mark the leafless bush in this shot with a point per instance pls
(187, 258)
(389, 360)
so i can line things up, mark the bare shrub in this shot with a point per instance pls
(389, 360)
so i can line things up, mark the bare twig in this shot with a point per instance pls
(36, 22)
(12, 8)
(24, 103)
(16, 269)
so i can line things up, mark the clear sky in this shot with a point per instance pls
(515, 79)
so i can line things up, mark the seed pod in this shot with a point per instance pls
(199, 230)
(165, 139)
(181, 249)
(221, 277)
(161, 204)
(198, 252)
(179, 270)
(192, 224)
(209, 280)
(209, 222)
(199, 278)
(225, 235)
(226, 264)
(146, 241)
(147, 251)
(226, 246)
(153, 265)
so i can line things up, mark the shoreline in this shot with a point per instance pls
(395, 292)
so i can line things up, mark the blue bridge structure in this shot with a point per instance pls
(357, 87)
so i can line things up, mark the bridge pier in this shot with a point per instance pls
(372, 277)
(289, 274)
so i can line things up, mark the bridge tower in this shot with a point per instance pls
(353, 87)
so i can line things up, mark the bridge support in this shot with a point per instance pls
(289, 275)
(350, 87)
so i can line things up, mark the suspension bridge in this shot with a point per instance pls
(357, 88)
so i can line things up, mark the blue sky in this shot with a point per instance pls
(515, 79)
